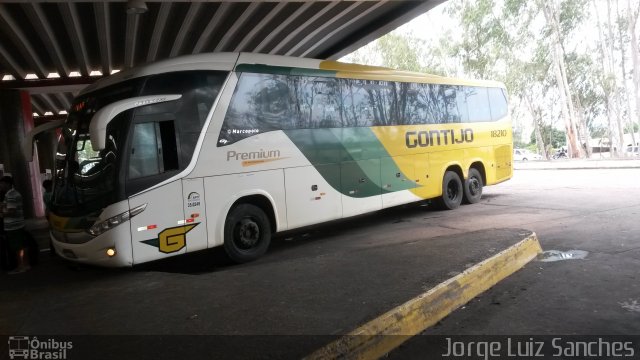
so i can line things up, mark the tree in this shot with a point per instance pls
(558, 30)
(632, 13)
(399, 51)
(552, 136)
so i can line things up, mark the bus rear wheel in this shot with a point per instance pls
(473, 187)
(247, 233)
(452, 191)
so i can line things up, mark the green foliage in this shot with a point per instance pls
(583, 74)
(571, 13)
(550, 135)
(598, 132)
(532, 147)
(484, 39)
(400, 51)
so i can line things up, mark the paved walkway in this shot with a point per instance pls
(594, 163)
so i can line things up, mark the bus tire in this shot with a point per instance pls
(247, 233)
(452, 191)
(473, 187)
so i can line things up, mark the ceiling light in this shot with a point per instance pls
(8, 77)
(62, 112)
(136, 7)
(35, 114)
(53, 76)
(115, 71)
(31, 76)
(48, 113)
(95, 73)
(74, 74)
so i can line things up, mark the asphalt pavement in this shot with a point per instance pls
(317, 284)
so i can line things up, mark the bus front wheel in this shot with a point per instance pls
(452, 191)
(473, 187)
(247, 233)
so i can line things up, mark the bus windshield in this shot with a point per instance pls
(163, 140)
(85, 179)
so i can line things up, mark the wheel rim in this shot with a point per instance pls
(474, 186)
(246, 234)
(453, 190)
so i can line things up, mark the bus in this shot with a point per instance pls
(227, 149)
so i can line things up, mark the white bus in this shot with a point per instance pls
(226, 149)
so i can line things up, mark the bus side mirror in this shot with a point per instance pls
(28, 144)
(102, 118)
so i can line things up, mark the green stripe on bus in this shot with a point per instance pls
(351, 160)
(283, 70)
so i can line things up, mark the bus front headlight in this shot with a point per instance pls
(102, 226)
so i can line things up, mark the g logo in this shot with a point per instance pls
(173, 239)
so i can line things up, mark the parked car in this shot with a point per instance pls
(633, 151)
(525, 155)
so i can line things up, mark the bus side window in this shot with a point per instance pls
(498, 101)
(144, 151)
(153, 149)
(478, 104)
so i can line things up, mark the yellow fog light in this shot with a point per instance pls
(111, 252)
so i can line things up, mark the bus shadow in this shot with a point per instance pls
(283, 246)
(212, 260)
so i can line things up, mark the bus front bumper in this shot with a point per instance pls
(103, 250)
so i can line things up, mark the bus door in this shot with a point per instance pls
(159, 231)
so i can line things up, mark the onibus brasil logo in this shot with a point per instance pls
(31, 348)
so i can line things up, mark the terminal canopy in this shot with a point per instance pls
(54, 48)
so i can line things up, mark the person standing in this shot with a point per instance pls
(13, 219)
(7, 259)
(47, 197)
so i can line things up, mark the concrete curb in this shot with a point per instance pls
(577, 164)
(383, 334)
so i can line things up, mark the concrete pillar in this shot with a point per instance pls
(16, 120)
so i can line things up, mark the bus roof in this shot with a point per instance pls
(263, 63)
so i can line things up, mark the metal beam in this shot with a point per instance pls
(307, 23)
(22, 42)
(324, 25)
(240, 22)
(103, 25)
(358, 39)
(62, 99)
(131, 40)
(259, 28)
(74, 31)
(8, 61)
(50, 104)
(158, 30)
(282, 26)
(178, 43)
(161, 1)
(49, 85)
(40, 120)
(41, 23)
(340, 28)
(36, 106)
(212, 26)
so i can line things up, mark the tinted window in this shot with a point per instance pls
(144, 151)
(498, 101)
(267, 102)
(478, 103)
(199, 89)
